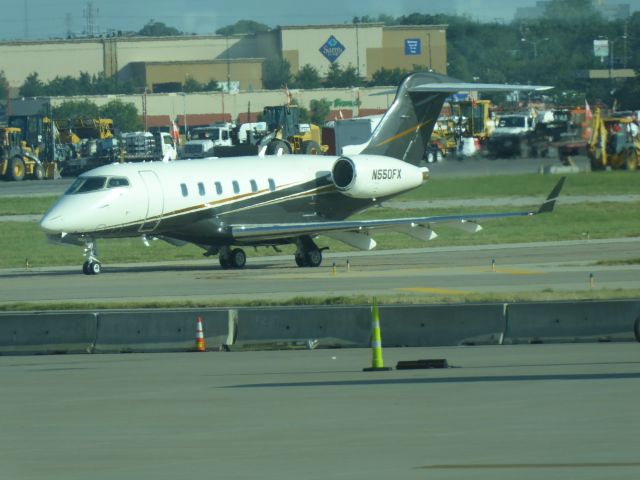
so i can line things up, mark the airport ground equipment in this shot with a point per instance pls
(280, 132)
(512, 136)
(18, 161)
(614, 142)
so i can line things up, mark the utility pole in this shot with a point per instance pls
(26, 19)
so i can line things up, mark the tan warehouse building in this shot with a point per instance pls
(235, 61)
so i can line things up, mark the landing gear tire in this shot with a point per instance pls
(308, 253)
(235, 258)
(313, 258)
(301, 261)
(91, 268)
(238, 258)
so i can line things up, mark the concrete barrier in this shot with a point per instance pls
(46, 333)
(441, 325)
(586, 321)
(159, 330)
(332, 326)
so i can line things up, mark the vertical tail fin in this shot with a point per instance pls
(405, 130)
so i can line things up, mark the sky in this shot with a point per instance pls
(54, 18)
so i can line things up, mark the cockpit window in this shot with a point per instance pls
(86, 184)
(117, 182)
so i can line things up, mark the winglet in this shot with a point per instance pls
(550, 202)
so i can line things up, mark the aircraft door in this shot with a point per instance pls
(155, 200)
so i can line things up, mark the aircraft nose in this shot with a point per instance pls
(52, 222)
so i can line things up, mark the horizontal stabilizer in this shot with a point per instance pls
(476, 87)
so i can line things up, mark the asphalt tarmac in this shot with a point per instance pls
(533, 267)
(503, 412)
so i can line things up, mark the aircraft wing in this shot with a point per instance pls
(355, 232)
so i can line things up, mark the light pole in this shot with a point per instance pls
(535, 44)
(184, 113)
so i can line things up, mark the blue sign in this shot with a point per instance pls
(332, 49)
(412, 46)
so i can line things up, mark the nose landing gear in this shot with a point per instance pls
(91, 265)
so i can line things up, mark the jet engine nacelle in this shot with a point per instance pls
(372, 176)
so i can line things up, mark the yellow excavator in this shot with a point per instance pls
(614, 142)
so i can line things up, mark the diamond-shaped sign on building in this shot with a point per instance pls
(332, 49)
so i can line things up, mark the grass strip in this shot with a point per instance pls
(405, 299)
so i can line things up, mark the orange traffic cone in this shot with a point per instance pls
(200, 346)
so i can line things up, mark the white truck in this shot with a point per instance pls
(512, 136)
(224, 140)
(146, 146)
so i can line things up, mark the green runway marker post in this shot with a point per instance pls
(377, 364)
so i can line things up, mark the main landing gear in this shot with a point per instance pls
(308, 254)
(232, 258)
(91, 265)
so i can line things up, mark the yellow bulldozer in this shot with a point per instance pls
(614, 142)
(18, 161)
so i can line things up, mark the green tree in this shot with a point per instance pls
(276, 73)
(211, 86)
(342, 78)
(75, 109)
(388, 76)
(319, 111)
(243, 27)
(32, 86)
(308, 77)
(191, 85)
(158, 29)
(125, 116)
(4, 86)
(64, 86)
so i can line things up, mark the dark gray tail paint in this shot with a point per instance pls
(406, 128)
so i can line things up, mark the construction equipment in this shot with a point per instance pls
(474, 119)
(443, 140)
(279, 131)
(288, 134)
(75, 130)
(18, 161)
(614, 142)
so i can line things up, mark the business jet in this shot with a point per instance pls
(223, 204)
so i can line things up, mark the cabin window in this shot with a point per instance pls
(254, 186)
(218, 188)
(236, 186)
(272, 185)
(185, 190)
(86, 184)
(201, 190)
(117, 182)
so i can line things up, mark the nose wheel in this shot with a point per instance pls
(91, 265)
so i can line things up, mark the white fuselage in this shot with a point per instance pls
(138, 198)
